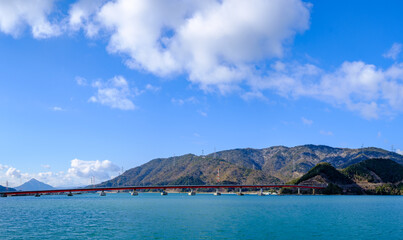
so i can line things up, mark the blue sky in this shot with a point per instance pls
(88, 87)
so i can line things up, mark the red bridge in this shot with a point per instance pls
(163, 188)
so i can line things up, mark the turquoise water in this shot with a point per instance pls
(179, 216)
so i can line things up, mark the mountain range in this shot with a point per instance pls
(277, 164)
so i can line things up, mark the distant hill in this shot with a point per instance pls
(371, 176)
(33, 185)
(246, 166)
(375, 171)
(326, 174)
(4, 189)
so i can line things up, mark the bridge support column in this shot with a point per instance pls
(261, 192)
(70, 194)
(217, 193)
(192, 193)
(163, 193)
(313, 191)
(134, 193)
(102, 194)
(299, 191)
(240, 192)
(3, 195)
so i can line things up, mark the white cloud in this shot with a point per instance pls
(180, 101)
(57, 109)
(326, 133)
(15, 15)
(114, 93)
(195, 37)
(202, 113)
(394, 51)
(79, 174)
(306, 121)
(87, 169)
(357, 86)
(152, 88)
(2, 167)
(217, 44)
(81, 13)
(399, 151)
(13, 173)
(248, 96)
(81, 81)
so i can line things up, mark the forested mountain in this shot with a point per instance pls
(245, 166)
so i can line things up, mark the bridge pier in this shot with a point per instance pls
(240, 192)
(102, 194)
(70, 194)
(37, 195)
(313, 191)
(261, 192)
(299, 191)
(163, 193)
(3, 195)
(134, 193)
(217, 193)
(192, 193)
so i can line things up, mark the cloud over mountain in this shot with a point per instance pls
(79, 174)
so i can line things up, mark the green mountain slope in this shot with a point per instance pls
(375, 171)
(371, 176)
(327, 172)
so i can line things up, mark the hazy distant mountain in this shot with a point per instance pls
(4, 189)
(33, 185)
(245, 166)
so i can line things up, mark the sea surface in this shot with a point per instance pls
(203, 216)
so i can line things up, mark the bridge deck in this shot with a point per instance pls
(154, 187)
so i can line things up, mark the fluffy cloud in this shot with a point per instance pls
(15, 15)
(399, 151)
(81, 13)
(114, 93)
(2, 167)
(79, 174)
(394, 51)
(13, 173)
(358, 86)
(217, 44)
(87, 169)
(213, 42)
